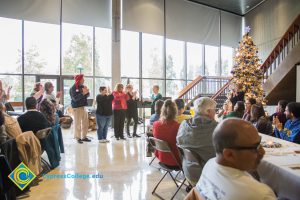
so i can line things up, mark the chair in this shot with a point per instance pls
(191, 156)
(194, 195)
(41, 135)
(163, 146)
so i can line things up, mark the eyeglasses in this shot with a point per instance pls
(253, 148)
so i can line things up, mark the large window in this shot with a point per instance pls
(102, 52)
(134, 82)
(194, 60)
(16, 83)
(10, 45)
(227, 60)
(29, 82)
(148, 85)
(152, 56)
(102, 82)
(41, 46)
(174, 87)
(175, 68)
(77, 47)
(211, 61)
(129, 54)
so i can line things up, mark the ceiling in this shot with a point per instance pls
(239, 7)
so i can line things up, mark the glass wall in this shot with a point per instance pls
(152, 56)
(11, 46)
(41, 48)
(87, 49)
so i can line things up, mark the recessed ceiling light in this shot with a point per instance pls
(247, 6)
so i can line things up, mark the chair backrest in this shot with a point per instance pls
(160, 145)
(163, 146)
(190, 155)
(43, 133)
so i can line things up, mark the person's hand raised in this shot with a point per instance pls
(85, 90)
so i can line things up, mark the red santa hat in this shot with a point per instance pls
(77, 79)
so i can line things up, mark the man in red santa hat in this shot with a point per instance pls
(79, 94)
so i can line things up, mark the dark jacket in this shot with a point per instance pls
(7, 187)
(281, 116)
(263, 125)
(239, 97)
(131, 106)
(33, 121)
(104, 104)
(77, 98)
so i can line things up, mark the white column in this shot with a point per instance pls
(116, 47)
(298, 83)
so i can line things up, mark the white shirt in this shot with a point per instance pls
(226, 183)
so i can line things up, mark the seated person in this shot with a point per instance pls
(227, 108)
(196, 133)
(181, 108)
(260, 121)
(166, 129)
(155, 117)
(159, 103)
(154, 97)
(32, 120)
(238, 150)
(28, 145)
(291, 130)
(238, 110)
(47, 108)
(248, 103)
(280, 108)
(12, 126)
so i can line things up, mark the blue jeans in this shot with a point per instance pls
(102, 123)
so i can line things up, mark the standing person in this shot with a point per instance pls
(132, 111)
(154, 97)
(79, 94)
(103, 113)
(237, 94)
(4, 97)
(119, 106)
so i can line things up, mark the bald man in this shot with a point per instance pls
(238, 150)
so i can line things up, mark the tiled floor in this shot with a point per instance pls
(123, 164)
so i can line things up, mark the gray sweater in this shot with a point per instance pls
(196, 134)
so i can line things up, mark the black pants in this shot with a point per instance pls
(135, 118)
(119, 119)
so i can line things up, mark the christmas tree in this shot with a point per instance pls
(247, 68)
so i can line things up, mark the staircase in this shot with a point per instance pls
(279, 73)
(204, 86)
(279, 67)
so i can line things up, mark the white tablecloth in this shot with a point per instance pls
(276, 168)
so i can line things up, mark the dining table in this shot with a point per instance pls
(280, 167)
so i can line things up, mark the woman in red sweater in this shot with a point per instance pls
(166, 129)
(119, 107)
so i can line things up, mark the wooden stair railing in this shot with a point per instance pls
(189, 86)
(221, 90)
(286, 43)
